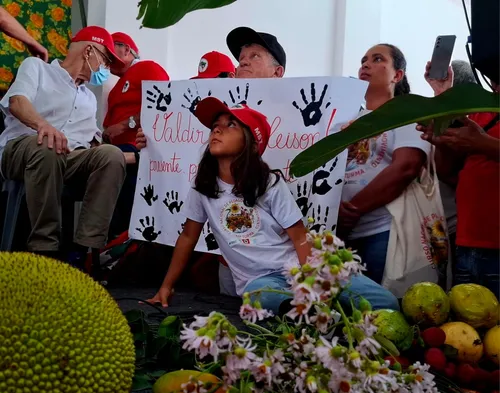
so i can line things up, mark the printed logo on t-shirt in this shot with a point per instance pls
(434, 241)
(203, 65)
(366, 153)
(240, 220)
(126, 87)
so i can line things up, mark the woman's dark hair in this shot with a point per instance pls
(223, 75)
(399, 62)
(251, 174)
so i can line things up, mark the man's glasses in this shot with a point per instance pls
(107, 60)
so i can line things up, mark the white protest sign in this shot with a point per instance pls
(300, 111)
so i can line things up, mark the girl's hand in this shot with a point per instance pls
(439, 85)
(162, 296)
(140, 139)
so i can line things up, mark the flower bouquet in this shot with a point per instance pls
(316, 347)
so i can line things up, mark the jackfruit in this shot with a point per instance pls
(60, 331)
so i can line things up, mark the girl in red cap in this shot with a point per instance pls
(250, 210)
(254, 218)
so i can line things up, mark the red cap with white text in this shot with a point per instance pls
(100, 36)
(210, 108)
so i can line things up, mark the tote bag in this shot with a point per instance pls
(418, 248)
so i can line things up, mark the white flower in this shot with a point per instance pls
(291, 270)
(242, 355)
(193, 386)
(254, 314)
(278, 363)
(305, 293)
(366, 325)
(424, 381)
(321, 319)
(262, 372)
(300, 310)
(200, 322)
(203, 345)
(300, 377)
(340, 380)
(305, 346)
(325, 354)
(368, 346)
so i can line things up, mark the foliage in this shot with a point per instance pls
(400, 111)
(158, 14)
(158, 349)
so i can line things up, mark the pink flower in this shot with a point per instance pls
(253, 314)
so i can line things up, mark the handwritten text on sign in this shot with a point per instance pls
(300, 111)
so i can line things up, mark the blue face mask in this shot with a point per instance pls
(97, 78)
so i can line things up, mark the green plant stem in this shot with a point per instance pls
(278, 291)
(259, 328)
(346, 322)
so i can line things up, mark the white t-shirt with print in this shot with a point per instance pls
(365, 160)
(253, 240)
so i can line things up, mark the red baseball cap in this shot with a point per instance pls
(125, 39)
(212, 64)
(210, 108)
(100, 36)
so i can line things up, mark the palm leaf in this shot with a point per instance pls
(400, 111)
(158, 14)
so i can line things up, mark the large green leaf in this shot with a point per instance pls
(402, 110)
(158, 14)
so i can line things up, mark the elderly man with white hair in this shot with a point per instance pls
(52, 139)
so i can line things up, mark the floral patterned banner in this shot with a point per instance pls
(47, 21)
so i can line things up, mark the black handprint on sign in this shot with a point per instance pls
(158, 97)
(172, 203)
(148, 229)
(193, 99)
(320, 179)
(303, 199)
(149, 195)
(319, 221)
(312, 114)
(237, 99)
(210, 238)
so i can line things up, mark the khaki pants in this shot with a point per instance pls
(101, 169)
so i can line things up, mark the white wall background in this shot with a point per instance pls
(321, 37)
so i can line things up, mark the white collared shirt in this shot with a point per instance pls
(52, 91)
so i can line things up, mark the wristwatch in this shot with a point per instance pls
(131, 122)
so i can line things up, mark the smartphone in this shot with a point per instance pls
(441, 56)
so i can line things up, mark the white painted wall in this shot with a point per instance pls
(414, 28)
(321, 37)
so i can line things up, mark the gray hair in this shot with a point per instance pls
(133, 52)
(462, 72)
(273, 59)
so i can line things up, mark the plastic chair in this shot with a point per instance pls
(15, 193)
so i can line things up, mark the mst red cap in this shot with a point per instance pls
(210, 108)
(125, 39)
(212, 64)
(100, 36)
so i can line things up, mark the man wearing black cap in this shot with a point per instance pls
(260, 55)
